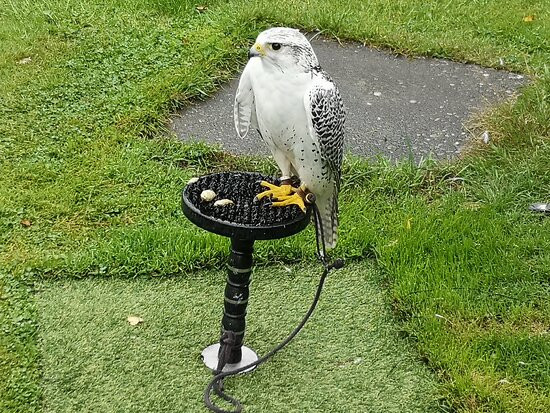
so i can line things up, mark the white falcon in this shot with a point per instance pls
(297, 109)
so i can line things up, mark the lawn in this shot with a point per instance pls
(89, 181)
(90, 349)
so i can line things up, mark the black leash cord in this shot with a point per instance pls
(216, 384)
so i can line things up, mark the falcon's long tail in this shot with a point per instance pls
(328, 210)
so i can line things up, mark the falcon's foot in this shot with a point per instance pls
(274, 191)
(284, 195)
(294, 199)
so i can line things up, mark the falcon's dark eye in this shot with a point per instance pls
(276, 46)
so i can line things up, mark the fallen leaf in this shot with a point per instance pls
(24, 61)
(529, 18)
(26, 223)
(201, 9)
(408, 224)
(135, 320)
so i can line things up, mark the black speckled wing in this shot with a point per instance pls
(327, 115)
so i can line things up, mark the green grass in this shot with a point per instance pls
(83, 157)
(348, 358)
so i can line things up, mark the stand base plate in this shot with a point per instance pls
(210, 358)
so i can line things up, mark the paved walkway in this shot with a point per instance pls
(394, 103)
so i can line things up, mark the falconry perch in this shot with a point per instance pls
(297, 109)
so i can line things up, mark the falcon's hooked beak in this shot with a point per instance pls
(256, 50)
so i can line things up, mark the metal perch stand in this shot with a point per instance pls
(244, 221)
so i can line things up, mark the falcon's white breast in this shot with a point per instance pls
(297, 109)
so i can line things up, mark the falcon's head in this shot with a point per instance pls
(286, 49)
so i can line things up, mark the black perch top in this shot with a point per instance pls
(247, 218)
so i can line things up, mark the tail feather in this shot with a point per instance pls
(328, 211)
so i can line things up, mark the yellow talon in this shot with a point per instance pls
(294, 199)
(284, 195)
(277, 192)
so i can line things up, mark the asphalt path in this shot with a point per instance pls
(396, 106)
